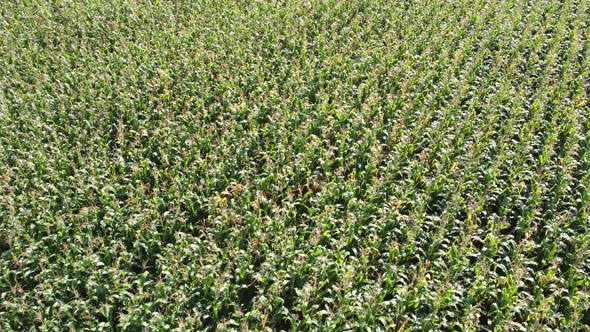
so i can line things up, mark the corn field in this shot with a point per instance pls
(299, 165)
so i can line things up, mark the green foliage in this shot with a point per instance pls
(294, 165)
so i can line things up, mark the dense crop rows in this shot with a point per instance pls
(310, 165)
